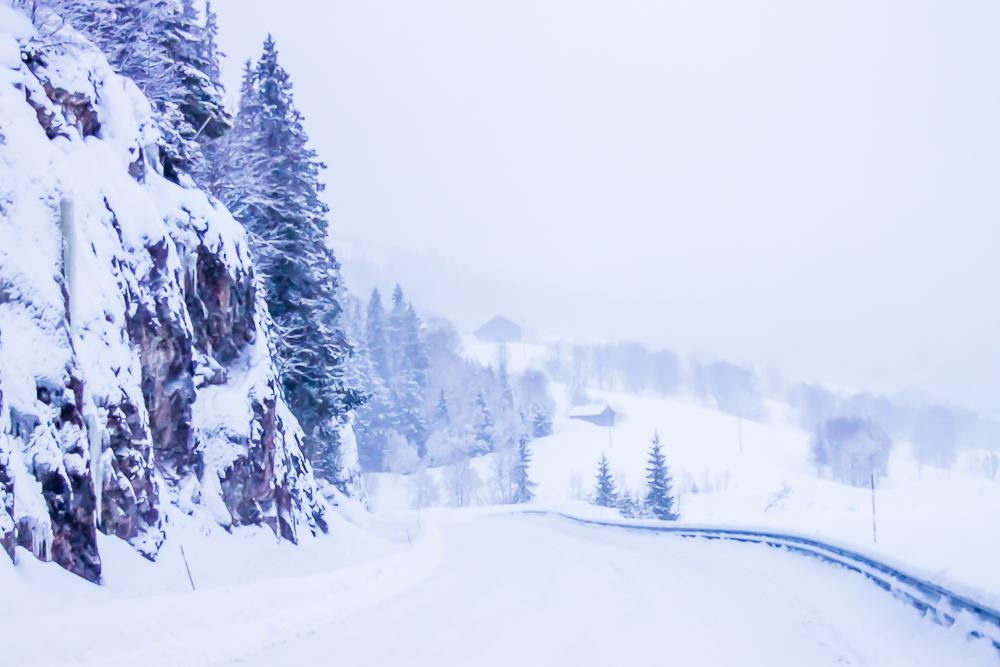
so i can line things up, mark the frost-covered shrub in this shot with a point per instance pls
(462, 483)
(850, 449)
(400, 454)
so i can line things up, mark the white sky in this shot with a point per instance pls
(812, 185)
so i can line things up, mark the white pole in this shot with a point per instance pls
(874, 532)
(739, 425)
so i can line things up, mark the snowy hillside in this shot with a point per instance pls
(732, 471)
(933, 519)
(135, 368)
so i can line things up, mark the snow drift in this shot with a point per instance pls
(135, 366)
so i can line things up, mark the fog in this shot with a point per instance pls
(798, 185)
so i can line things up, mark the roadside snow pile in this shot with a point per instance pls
(135, 368)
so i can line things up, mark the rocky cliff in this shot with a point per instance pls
(135, 367)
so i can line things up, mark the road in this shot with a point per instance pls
(531, 590)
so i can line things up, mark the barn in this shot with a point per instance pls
(499, 330)
(599, 415)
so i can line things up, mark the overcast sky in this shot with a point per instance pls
(813, 186)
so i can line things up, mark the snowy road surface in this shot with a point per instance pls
(521, 590)
(474, 590)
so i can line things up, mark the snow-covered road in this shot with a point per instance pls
(530, 590)
(475, 589)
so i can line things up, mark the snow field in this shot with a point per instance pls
(940, 524)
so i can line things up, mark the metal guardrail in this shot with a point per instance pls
(941, 605)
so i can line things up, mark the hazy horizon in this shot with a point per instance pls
(780, 183)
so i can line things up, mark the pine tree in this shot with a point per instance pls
(377, 418)
(506, 392)
(374, 426)
(195, 55)
(483, 426)
(541, 423)
(274, 190)
(604, 493)
(231, 162)
(408, 364)
(441, 416)
(658, 499)
(378, 345)
(213, 133)
(523, 486)
(628, 506)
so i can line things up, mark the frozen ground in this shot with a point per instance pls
(481, 588)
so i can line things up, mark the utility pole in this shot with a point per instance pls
(739, 423)
(874, 532)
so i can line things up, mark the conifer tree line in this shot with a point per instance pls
(657, 502)
(259, 164)
(427, 405)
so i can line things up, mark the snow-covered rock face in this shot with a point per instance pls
(134, 362)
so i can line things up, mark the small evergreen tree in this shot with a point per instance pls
(506, 391)
(523, 486)
(605, 494)
(541, 423)
(628, 506)
(441, 416)
(483, 425)
(658, 499)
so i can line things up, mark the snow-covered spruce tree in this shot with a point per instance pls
(524, 488)
(211, 140)
(658, 499)
(483, 425)
(274, 190)
(376, 418)
(378, 345)
(628, 506)
(506, 392)
(398, 358)
(441, 415)
(408, 363)
(541, 423)
(605, 494)
(169, 50)
(374, 425)
(371, 423)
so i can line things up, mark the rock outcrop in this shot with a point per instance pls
(135, 365)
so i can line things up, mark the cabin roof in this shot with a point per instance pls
(592, 410)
